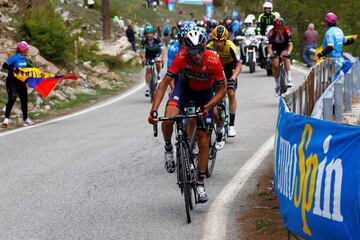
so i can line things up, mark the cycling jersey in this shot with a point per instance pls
(229, 57)
(335, 37)
(152, 48)
(173, 50)
(265, 20)
(281, 41)
(198, 78)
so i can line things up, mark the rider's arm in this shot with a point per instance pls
(236, 59)
(170, 75)
(237, 70)
(290, 47)
(269, 49)
(160, 92)
(220, 93)
(220, 86)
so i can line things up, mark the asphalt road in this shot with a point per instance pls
(100, 175)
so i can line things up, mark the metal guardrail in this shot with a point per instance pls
(301, 100)
(338, 97)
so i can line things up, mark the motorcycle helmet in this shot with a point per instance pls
(268, 5)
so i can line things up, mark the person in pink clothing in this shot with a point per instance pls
(310, 42)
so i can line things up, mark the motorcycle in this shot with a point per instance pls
(264, 59)
(249, 45)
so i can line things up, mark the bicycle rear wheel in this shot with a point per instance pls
(152, 85)
(283, 86)
(212, 154)
(184, 156)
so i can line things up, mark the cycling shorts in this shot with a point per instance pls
(232, 84)
(149, 60)
(278, 48)
(182, 96)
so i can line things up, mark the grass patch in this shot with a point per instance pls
(265, 223)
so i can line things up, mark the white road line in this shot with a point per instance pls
(215, 222)
(106, 103)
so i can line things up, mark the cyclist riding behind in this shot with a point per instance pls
(201, 70)
(280, 45)
(151, 49)
(229, 58)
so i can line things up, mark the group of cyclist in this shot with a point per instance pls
(202, 72)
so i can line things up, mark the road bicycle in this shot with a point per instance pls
(283, 77)
(153, 81)
(212, 142)
(185, 165)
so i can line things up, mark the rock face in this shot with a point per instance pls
(116, 48)
(91, 77)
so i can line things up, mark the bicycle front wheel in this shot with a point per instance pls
(212, 154)
(184, 159)
(283, 86)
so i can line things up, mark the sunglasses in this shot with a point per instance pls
(193, 52)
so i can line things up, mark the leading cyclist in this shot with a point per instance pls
(151, 49)
(201, 71)
(280, 45)
(228, 54)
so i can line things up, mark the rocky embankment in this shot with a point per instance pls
(91, 77)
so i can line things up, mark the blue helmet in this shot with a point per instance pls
(185, 28)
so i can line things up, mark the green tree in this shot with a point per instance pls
(46, 30)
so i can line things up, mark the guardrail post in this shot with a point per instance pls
(328, 108)
(353, 83)
(347, 92)
(338, 100)
(357, 74)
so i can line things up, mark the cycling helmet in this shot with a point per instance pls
(22, 46)
(268, 5)
(148, 29)
(179, 24)
(278, 23)
(195, 39)
(330, 18)
(220, 33)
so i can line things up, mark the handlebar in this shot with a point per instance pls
(173, 118)
(278, 56)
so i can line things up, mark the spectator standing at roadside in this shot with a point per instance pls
(14, 86)
(310, 42)
(130, 34)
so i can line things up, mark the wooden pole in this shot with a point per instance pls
(106, 19)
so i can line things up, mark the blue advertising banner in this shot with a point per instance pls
(209, 10)
(317, 176)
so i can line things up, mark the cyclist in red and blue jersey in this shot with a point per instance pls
(201, 70)
(14, 86)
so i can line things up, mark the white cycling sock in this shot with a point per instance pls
(277, 82)
(289, 76)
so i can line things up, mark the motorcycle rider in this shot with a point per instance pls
(280, 45)
(247, 30)
(266, 18)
